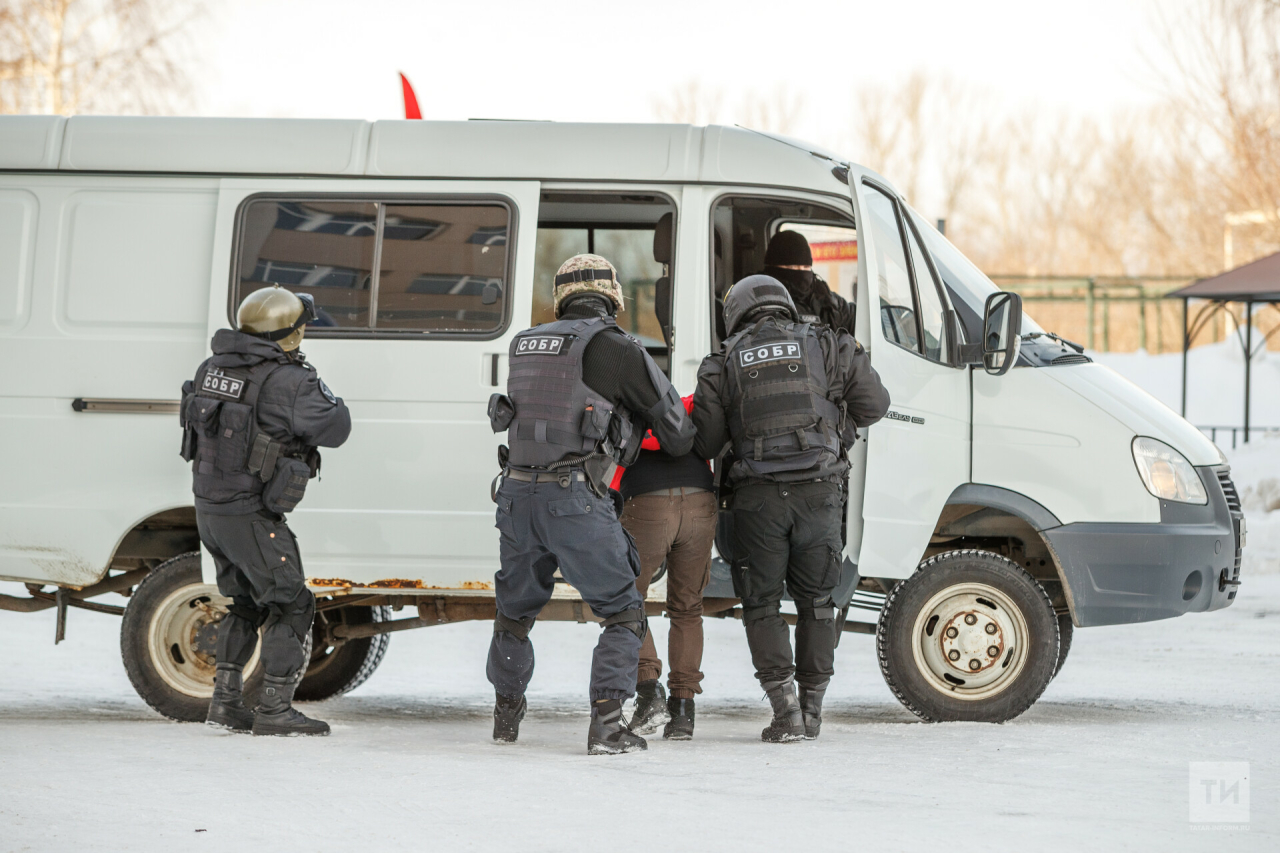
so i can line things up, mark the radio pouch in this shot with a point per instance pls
(287, 485)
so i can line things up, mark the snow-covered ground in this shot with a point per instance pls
(1101, 762)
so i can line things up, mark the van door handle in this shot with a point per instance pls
(491, 369)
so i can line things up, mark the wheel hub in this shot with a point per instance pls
(971, 641)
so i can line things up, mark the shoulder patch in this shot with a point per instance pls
(542, 345)
(324, 389)
(781, 351)
(219, 384)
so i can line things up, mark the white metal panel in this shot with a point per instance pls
(493, 149)
(30, 142)
(214, 145)
(137, 258)
(18, 212)
(735, 155)
(1034, 434)
(1141, 412)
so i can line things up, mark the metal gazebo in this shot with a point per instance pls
(1257, 281)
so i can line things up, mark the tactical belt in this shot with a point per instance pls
(544, 476)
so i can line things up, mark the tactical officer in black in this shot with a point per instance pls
(580, 394)
(787, 396)
(252, 419)
(790, 260)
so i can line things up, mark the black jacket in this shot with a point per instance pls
(613, 366)
(852, 379)
(294, 406)
(814, 299)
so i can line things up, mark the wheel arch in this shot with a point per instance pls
(1009, 523)
(155, 538)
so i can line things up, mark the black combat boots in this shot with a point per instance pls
(681, 725)
(609, 733)
(227, 709)
(788, 721)
(651, 708)
(811, 708)
(508, 711)
(276, 714)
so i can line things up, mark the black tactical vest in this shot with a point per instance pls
(230, 457)
(782, 423)
(557, 416)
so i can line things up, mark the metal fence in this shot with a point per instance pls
(1254, 433)
(1106, 312)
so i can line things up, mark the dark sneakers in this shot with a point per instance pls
(609, 733)
(811, 709)
(788, 721)
(508, 711)
(651, 708)
(277, 716)
(227, 709)
(681, 725)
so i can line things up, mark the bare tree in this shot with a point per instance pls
(777, 111)
(690, 103)
(71, 56)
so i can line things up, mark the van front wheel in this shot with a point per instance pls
(970, 636)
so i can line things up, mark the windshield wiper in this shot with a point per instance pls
(1072, 344)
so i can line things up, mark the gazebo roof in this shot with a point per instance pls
(1257, 281)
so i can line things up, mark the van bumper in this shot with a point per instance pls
(1188, 563)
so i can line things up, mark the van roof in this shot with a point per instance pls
(419, 149)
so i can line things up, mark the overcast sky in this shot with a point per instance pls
(604, 61)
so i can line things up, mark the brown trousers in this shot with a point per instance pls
(679, 530)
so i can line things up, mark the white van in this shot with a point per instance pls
(989, 513)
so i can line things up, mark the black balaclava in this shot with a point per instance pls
(799, 282)
(790, 249)
(588, 303)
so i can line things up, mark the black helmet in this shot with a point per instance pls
(753, 293)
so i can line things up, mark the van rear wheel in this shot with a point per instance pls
(970, 636)
(169, 638)
(334, 670)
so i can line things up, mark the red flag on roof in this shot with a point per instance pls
(411, 109)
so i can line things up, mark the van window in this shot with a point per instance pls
(620, 228)
(931, 305)
(897, 304)
(966, 285)
(441, 267)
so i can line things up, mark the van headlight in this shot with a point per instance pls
(1166, 473)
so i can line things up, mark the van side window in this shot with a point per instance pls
(392, 267)
(897, 303)
(931, 305)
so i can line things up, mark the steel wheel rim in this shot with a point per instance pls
(179, 620)
(962, 664)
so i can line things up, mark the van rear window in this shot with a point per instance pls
(394, 267)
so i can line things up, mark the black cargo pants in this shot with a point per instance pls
(546, 525)
(260, 571)
(789, 532)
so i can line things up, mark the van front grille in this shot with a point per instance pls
(1229, 489)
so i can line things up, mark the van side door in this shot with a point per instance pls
(919, 453)
(419, 286)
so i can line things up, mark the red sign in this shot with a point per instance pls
(842, 250)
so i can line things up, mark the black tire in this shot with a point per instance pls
(175, 675)
(1005, 603)
(1065, 630)
(334, 670)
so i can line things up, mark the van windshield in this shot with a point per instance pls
(967, 285)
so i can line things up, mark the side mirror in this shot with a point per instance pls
(491, 293)
(1001, 332)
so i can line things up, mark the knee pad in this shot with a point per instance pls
(249, 612)
(763, 611)
(633, 620)
(518, 628)
(817, 609)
